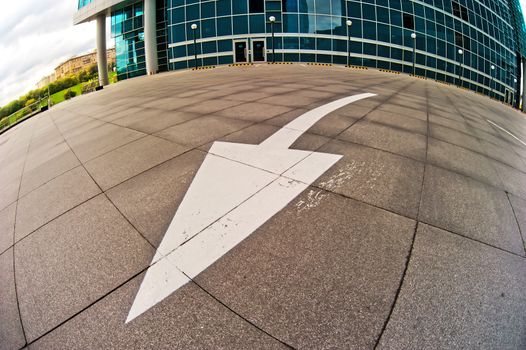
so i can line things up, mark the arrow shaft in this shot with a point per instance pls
(287, 135)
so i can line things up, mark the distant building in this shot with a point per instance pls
(46, 80)
(76, 64)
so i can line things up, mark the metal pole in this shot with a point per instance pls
(194, 27)
(195, 50)
(492, 79)
(348, 46)
(460, 75)
(413, 35)
(273, 44)
(460, 61)
(349, 24)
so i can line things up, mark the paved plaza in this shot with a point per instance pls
(412, 237)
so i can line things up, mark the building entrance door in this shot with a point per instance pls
(240, 51)
(258, 50)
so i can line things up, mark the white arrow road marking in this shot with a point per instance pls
(237, 189)
(506, 131)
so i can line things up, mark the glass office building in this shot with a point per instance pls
(478, 44)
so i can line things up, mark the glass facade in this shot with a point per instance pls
(489, 33)
(83, 3)
(127, 28)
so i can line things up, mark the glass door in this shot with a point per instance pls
(240, 51)
(258, 50)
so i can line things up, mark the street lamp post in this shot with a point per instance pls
(349, 24)
(514, 99)
(272, 20)
(413, 36)
(194, 27)
(491, 84)
(460, 59)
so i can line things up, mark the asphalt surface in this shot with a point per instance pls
(414, 239)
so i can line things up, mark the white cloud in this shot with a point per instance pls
(37, 35)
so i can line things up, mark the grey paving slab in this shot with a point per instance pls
(7, 227)
(202, 130)
(504, 155)
(455, 137)
(11, 333)
(289, 100)
(458, 294)
(253, 111)
(188, 319)
(153, 120)
(320, 274)
(253, 135)
(459, 204)
(210, 106)
(150, 199)
(513, 180)
(419, 113)
(492, 137)
(285, 118)
(333, 124)
(376, 177)
(52, 199)
(519, 208)
(74, 260)
(309, 142)
(462, 160)
(100, 140)
(129, 160)
(170, 103)
(8, 193)
(48, 170)
(448, 123)
(248, 96)
(387, 138)
(407, 123)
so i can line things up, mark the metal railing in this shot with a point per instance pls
(24, 113)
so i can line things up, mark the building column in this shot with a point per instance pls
(150, 36)
(102, 59)
(523, 84)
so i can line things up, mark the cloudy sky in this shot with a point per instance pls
(37, 35)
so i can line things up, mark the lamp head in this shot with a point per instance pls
(413, 35)
(492, 67)
(460, 52)
(272, 19)
(193, 26)
(349, 23)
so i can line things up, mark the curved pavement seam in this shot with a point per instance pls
(14, 237)
(517, 221)
(410, 253)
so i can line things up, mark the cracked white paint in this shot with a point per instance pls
(237, 189)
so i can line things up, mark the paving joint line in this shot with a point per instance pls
(100, 193)
(14, 236)
(129, 222)
(239, 315)
(86, 307)
(399, 289)
(517, 221)
(410, 252)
